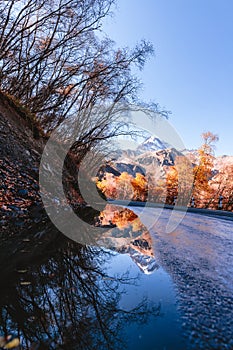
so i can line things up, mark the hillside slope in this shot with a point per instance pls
(19, 164)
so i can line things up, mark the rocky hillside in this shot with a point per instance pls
(21, 147)
(140, 162)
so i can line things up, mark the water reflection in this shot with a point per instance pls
(127, 235)
(56, 294)
(198, 256)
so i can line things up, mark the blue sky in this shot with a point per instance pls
(192, 71)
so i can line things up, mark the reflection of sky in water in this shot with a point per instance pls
(162, 332)
(71, 282)
(198, 256)
(74, 288)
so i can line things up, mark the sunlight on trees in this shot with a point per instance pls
(222, 185)
(203, 170)
(140, 187)
(53, 62)
(191, 180)
(124, 186)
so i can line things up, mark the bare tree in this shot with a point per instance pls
(70, 302)
(53, 62)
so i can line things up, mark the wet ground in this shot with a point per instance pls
(198, 255)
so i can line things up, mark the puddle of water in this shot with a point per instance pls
(161, 332)
(58, 294)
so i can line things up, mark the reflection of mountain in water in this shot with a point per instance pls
(61, 296)
(147, 264)
(128, 236)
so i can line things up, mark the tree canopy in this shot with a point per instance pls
(54, 62)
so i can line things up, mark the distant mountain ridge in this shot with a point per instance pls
(153, 143)
(152, 154)
(141, 163)
(150, 158)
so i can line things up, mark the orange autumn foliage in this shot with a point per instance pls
(124, 186)
(140, 187)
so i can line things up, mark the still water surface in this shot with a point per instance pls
(151, 290)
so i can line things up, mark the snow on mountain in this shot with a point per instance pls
(153, 143)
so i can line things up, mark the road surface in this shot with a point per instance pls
(198, 255)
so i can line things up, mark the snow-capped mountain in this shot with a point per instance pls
(153, 143)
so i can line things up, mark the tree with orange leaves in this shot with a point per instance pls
(108, 186)
(203, 170)
(222, 185)
(171, 184)
(124, 186)
(179, 180)
(140, 187)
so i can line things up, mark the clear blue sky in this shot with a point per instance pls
(192, 71)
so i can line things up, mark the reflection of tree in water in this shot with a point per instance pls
(127, 231)
(70, 303)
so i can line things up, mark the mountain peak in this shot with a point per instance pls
(153, 143)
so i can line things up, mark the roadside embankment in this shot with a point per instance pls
(20, 203)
